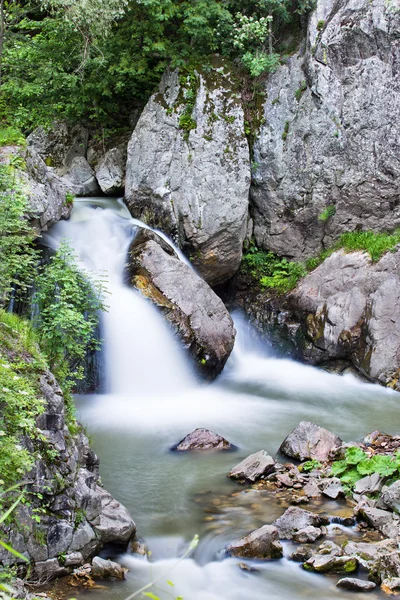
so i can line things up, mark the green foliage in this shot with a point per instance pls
(320, 25)
(69, 198)
(18, 257)
(11, 136)
(68, 300)
(285, 131)
(327, 213)
(81, 59)
(376, 244)
(21, 402)
(300, 91)
(357, 464)
(310, 465)
(271, 270)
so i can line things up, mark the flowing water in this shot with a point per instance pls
(153, 400)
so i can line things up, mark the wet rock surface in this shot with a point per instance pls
(295, 520)
(253, 467)
(309, 441)
(203, 439)
(193, 184)
(356, 585)
(262, 544)
(196, 314)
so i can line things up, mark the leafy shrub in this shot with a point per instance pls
(18, 256)
(260, 62)
(271, 270)
(310, 465)
(11, 136)
(358, 464)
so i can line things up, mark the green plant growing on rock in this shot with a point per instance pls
(69, 198)
(285, 275)
(285, 131)
(357, 464)
(376, 244)
(11, 136)
(327, 213)
(300, 90)
(310, 465)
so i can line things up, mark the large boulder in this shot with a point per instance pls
(328, 154)
(308, 441)
(196, 314)
(344, 307)
(262, 544)
(110, 171)
(61, 144)
(188, 169)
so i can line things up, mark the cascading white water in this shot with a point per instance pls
(153, 401)
(100, 235)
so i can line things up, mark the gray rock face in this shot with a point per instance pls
(309, 441)
(110, 171)
(352, 309)
(262, 544)
(80, 516)
(382, 520)
(253, 467)
(45, 191)
(195, 312)
(59, 146)
(194, 183)
(330, 558)
(331, 136)
(390, 497)
(203, 439)
(356, 585)
(80, 178)
(295, 519)
(307, 535)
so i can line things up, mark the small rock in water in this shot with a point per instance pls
(295, 519)
(262, 543)
(356, 585)
(203, 439)
(247, 568)
(253, 467)
(310, 442)
(106, 569)
(391, 585)
(301, 554)
(307, 535)
(332, 488)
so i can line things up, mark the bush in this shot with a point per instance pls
(11, 136)
(357, 464)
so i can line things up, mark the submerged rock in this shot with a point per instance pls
(196, 314)
(203, 439)
(253, 467)
(262, 544)
(189, 174)
(356, 585)
(309, 441)
(295, 519)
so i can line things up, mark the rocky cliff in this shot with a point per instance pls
(66, 516)
(328, 155)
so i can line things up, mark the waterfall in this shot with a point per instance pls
(141, 355)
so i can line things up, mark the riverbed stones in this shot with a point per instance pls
(261, 544)
(307, 535)
(308, 441)
(329, 558)
(332, 487)
(356, 585)
(202, 439)
(382, 520)
(295, 519)
(369, 484)
(253, 467)
(193, 183)
(195, 313)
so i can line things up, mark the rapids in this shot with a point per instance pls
(153, 400)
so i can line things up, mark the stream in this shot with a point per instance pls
(152, 399)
